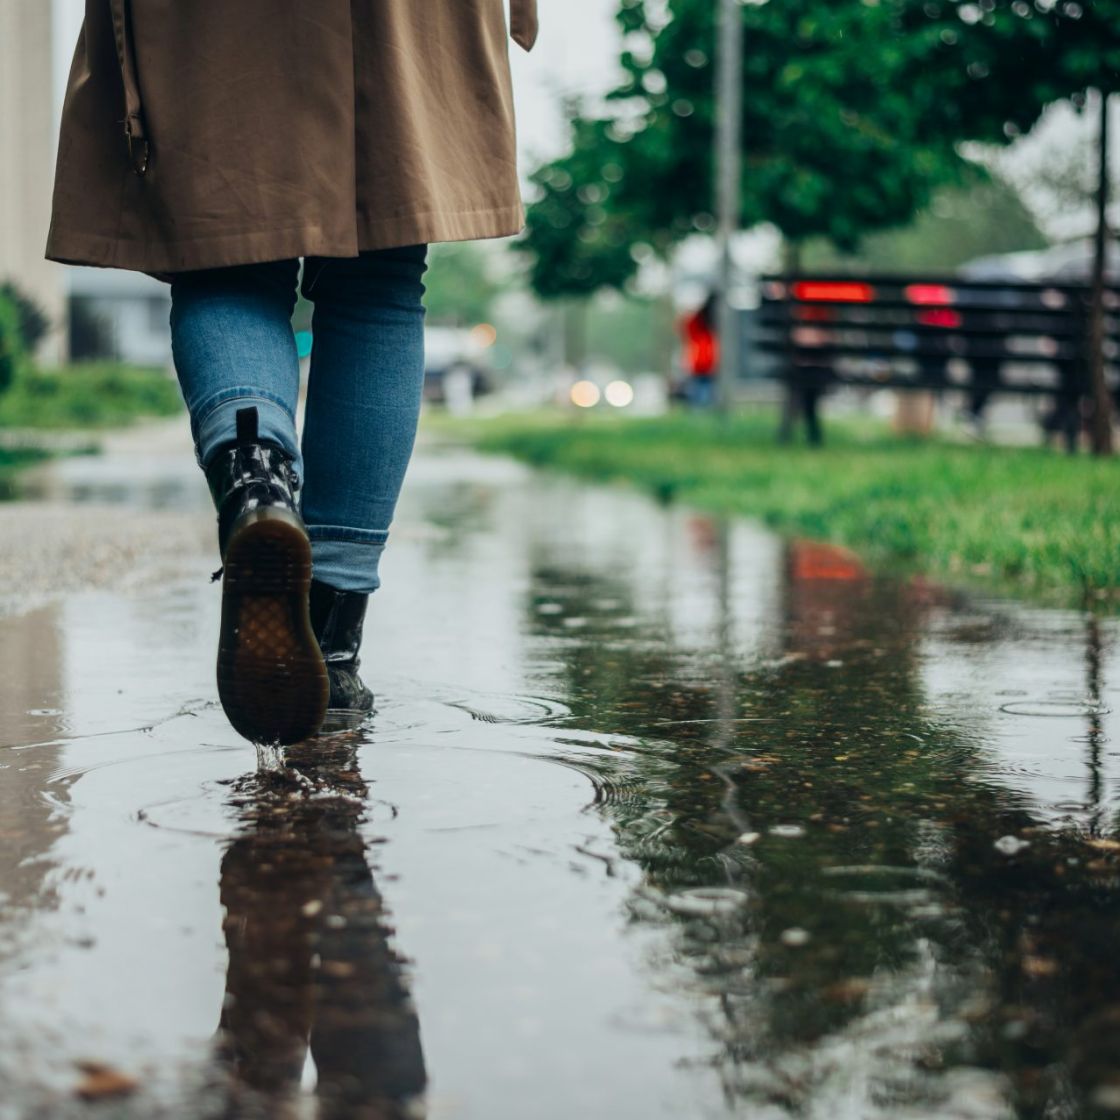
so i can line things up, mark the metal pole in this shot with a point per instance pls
(729, 163)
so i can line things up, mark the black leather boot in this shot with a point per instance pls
(271, 677)
(337, 618)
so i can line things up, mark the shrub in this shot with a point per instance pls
(91, 395)
(11, 342)
(33, 320)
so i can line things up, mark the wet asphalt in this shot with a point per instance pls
(659, 815)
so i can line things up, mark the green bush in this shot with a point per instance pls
(33, 321)
(93, 395)
(11, 342)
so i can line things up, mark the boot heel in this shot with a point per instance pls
(272, 680)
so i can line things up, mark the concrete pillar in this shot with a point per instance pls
(28, 138)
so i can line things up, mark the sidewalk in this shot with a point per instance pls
(74, 533)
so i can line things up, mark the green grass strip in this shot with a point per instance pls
(1031, 522)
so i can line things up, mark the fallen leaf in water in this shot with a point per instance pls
(102, 1081)
(1102, 845)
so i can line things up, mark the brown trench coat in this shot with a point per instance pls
(207, 133)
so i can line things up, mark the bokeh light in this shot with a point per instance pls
(484, 335)
(619, 393)
(585, 394)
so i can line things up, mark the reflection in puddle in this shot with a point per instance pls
(824, 845)
(810, 843)
(311, 970)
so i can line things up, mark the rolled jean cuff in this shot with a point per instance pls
(347, 559)
(217, 423)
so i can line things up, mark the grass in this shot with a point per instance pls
(87, 396)
(1032, 522)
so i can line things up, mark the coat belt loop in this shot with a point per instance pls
(139, 147)
(523, 23)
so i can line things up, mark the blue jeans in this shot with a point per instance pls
(702, 391)
(233, 344)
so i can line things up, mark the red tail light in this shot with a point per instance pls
(822, 291)
(940, 317)
(930, 294)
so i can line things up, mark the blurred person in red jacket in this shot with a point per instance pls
(701, 353)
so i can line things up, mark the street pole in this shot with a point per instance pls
(729, 164)
(1101, 420)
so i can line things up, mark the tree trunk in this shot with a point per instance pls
(1101, 431)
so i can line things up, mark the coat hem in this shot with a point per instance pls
(165, 259)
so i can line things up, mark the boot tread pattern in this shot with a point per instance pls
(272, 680)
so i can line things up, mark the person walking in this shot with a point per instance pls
(215, 146)
(701, 352)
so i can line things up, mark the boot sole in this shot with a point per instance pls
(272, 680)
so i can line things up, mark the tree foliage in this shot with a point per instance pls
(11, 341)
(854, 111)
(459, 287)
(581, 229)
(33, 320)
(960, 224)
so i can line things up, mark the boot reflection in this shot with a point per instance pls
(310, 963)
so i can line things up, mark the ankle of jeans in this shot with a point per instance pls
(216, 423)
(347, 559)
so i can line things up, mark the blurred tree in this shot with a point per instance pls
(1044, 50)
(11, 341)
(1062, 179)
(581, 231)
(854, 111)
(458, 283)
(1017, 56)
(460, 288)
(960, 224)
(33, 321)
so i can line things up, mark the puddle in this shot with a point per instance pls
(658, 816)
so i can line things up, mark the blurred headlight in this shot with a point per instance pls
(619, 393)
(585, 394)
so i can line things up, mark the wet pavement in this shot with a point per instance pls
(658, 816)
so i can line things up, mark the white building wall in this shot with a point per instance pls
(28, 135)
(140, 328)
